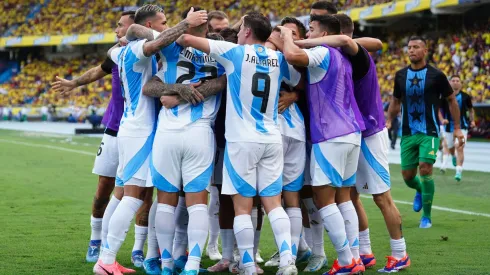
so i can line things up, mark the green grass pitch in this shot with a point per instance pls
(46, 196)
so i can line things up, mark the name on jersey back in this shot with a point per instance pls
(198, 59)
(264, 62)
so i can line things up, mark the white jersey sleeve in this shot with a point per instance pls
(318, 63)
(290, 75)
(115, 54)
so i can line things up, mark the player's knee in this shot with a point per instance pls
(425, 169)
(118, 193)
(383, 201)
(105, 186)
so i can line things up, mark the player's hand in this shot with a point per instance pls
(458, 134)
(388, 124)
(445, 122)
(196, 18)
(286, 99)
(472, 124)
(275, 38)
(169, 101)
(123, 41)
(285, 32)
(63, 86)
(190, 94)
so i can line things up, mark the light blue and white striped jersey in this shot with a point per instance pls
(188, 65)
(135, 69)
(254, 75)
(292, 123)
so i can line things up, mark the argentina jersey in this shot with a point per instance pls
(135, 69)
(291, 120)
(185, 66)
(254, 75)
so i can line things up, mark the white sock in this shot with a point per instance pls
(140, 233)
(119, 226)
(181, 222)
(365, 243)
(303, 246)
(281, 226)
(445, 160)
(152, 247)
(256, 242)
(316, 227)
(96, 225)
(227, 243)
(197, 233)
(165, 230)
(296, 220)
(351, 226)
(213, 214)
(308, 237)
(109, 210)
(398, 248)
(459, 169)
(333, 222)
(244, 234)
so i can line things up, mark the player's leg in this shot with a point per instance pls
(460, 157)
(270, 184)
(258, 231)
(134, 155)
(105, 166)
(111, 207)
(212, 250)
(141, 229)
(328, 162)
(306, 240)
(152, 264)
(427, 157)
(409, 162)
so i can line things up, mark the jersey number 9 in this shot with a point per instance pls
(261, 85)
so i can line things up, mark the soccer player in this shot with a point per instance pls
(106, 161)
(418, 88)
(465, 106)
(253, 160)
(217, 21)
(335, 128)
(136, 64)
(373, 171)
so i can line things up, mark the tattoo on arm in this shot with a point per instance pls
(90, 76)
(156, 88)
(213, 86)
(165, 38)
(139, 32)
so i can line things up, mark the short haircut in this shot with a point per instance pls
(455, 76)
(259, 25)
(325, 5)
(416, 37)
(217, 15)
(183, 15)
(215, 36)
(130, 13)
(293, 20)
(230, 35)
(346, 24)
(328, 23)
(145, 12)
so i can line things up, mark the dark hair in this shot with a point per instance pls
(325, 5)
(217, 15)
(230, 35)
(183, 15)
(328, 23)
(455, 75)
(259, 25)
(130, 13)
(214, 36)
(293, 20)
(145, 12)
(346, 24)
(416, 37)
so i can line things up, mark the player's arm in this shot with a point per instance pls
(275, 42)
(64, 86)
(156, 88)
(137, 31)
(395, 103)
(293, 54)
(369, 43)
(213, 86)
(168, 36)
(347, 44)
(195, 42)
(471, 110)
(454, 110)
(286, 99)
(441, 117)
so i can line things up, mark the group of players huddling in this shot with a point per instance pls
(278, 119)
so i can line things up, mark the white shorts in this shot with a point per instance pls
(107, 158)
(218, 166)
(183, 157)
(334, 163)
(449, 136)
(250, 167)
(134, 153)
(294, 164)
(373, 171)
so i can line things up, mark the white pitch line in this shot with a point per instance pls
(363, 196)
(48, 146)
(440, 208)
